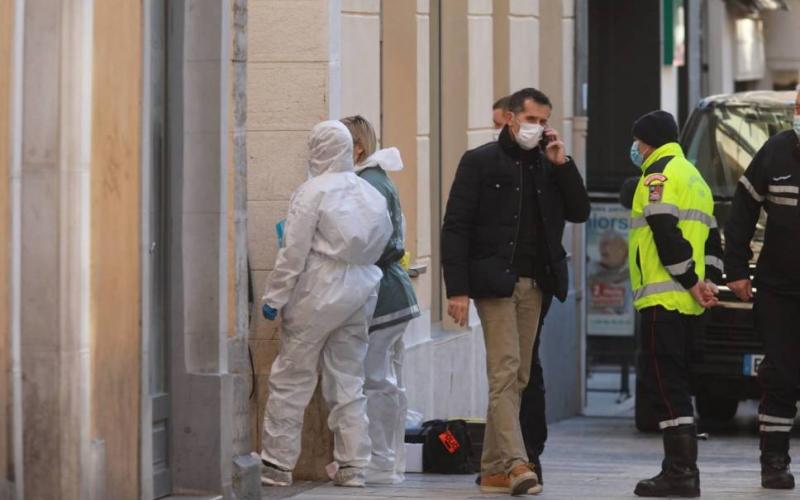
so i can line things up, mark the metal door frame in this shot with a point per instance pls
(151, 486)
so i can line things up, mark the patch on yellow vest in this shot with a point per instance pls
(655, 179)
(656, 192)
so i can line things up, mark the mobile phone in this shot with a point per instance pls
(545, 140)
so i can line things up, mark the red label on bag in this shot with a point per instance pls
(449, 441)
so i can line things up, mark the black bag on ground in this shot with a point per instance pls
(447, 448)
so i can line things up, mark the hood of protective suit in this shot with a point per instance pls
(331, 149)
(388, 159)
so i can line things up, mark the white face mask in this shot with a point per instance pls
(796, 124)
(529, 135)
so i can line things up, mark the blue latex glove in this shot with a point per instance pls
(269, 312)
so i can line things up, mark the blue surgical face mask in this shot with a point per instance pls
(636, 157)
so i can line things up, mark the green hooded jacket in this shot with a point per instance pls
(397, 302)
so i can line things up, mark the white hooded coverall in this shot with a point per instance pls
(325, 282)
(387, 403)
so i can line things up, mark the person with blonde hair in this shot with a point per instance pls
(325, 284)
(397, 306)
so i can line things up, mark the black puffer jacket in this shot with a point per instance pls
(480, 231)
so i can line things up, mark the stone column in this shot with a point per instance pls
(54, 248)
(361, 61)
(420, 329)
(516, 45)
(6, 41)
(209, 362)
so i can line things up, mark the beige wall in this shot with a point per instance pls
(115, 223)
(479, 73)
(501, 20)
(399, 103)
(287, 94)
(550, 80)
(525, 19)
(455, 89)
(288, 91)
(421, 196)
(6, 30)
(361, 60)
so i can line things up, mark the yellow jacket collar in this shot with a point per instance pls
(669, 149)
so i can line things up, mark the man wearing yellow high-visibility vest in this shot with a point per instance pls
(674, 248)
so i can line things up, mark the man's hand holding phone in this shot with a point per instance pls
(553, 148)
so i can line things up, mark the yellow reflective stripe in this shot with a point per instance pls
(680, 267)
(699, 216)
(682, 215)
(655, 288)
(661, 209)
(637, 222)
(745, 182)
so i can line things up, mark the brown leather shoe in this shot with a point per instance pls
(524, 480)
(495, 483)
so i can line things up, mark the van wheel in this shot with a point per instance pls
(646, 420)
(717, 408)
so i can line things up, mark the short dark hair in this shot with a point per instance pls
(518, 98)
(503, 103)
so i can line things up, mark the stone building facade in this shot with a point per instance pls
(123, 272)
(146, 152)
(425, 73)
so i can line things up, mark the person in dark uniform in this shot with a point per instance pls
(772, 182)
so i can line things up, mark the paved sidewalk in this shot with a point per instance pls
(591, 458)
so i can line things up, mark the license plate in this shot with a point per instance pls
(751, 362)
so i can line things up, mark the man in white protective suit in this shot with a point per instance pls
(325, 284)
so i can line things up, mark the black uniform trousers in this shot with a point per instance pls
(778, 322)
(665, 346)
(532, 418)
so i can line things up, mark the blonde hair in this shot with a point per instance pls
(363, 135)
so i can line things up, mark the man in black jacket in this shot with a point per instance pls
(772, 182)
(532, 419)
(501, 245)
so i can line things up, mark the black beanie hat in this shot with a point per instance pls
(656, 129)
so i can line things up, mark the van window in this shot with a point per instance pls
(723, 142)
(740, 133)
(701, 152)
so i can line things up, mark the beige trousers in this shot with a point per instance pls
(509, 330)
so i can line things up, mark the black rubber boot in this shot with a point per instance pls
(775, 461)
(679, 476)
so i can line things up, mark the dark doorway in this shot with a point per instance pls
(624, 83)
